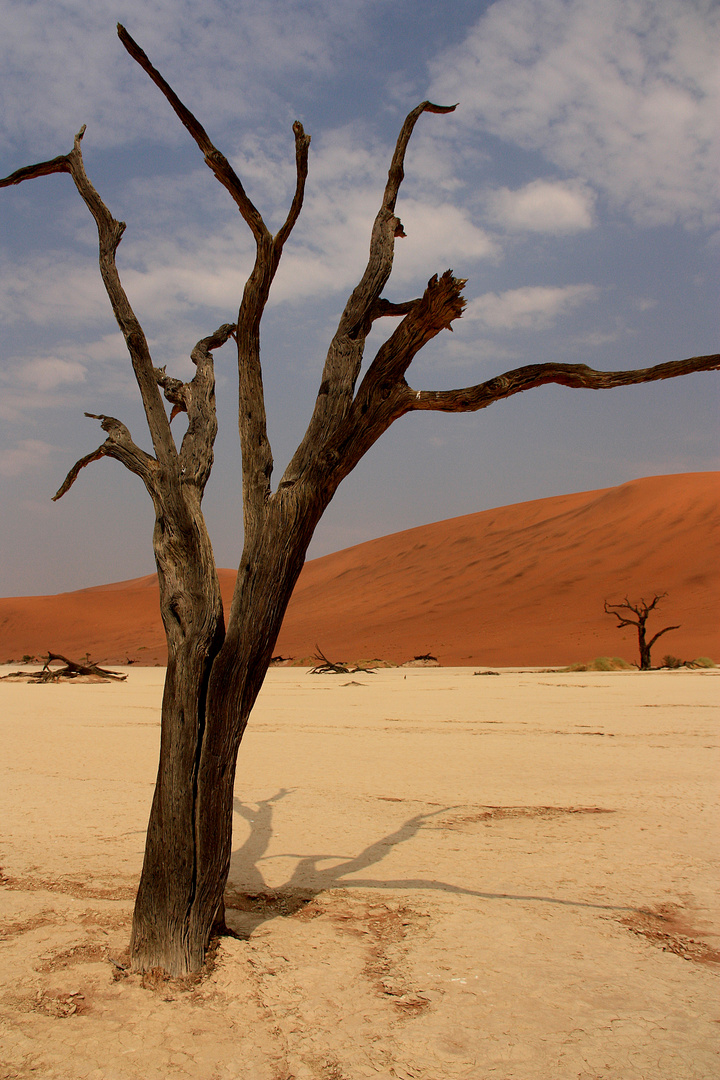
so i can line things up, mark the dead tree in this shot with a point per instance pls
(73, 668)
(329, 667)
(641, 610)
(215, 671)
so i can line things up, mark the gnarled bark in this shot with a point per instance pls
(214, 674)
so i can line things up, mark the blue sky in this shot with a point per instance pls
(575, 187)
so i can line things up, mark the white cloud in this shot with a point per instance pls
(329, 247)
(185, 248)
(61, 64)
(173, 262)
(164, 278)
(438, 237)
(644, 303)
(28, 455)
(50, 372)
(534, 307)
(461, 352)
(54, 289)
(181, 279)
(543, 206)
(596, 339)
(92, 373)
(622, 93)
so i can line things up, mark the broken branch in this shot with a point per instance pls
(118, 445)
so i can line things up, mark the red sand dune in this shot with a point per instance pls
(522, 584)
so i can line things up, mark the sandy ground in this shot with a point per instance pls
(436, 876)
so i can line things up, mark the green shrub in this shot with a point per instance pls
(671, 661)
(704, 661)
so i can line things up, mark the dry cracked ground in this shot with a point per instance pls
(435, 877)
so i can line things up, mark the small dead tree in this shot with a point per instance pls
(331, 667)
(215, 670)
(640, 609)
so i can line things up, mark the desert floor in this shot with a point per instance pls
(436, 876)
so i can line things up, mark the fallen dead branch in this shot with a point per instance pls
(328, 667)
(72, 669)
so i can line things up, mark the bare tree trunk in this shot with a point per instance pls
(644, 648)
(191, 607)
(160, 935)
(206, 707)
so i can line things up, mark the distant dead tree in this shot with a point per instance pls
(215, 670)
(331, 667)
(641, 610)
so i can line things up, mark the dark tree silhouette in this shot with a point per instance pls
(215, 671)
(641, 610)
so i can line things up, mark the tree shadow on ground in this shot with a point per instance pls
(254, 902)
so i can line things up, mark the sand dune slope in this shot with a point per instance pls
(522, 584)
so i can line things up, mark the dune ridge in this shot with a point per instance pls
(518, 585)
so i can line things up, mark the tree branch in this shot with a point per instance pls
(344, 357)
(656, 600)
(175, 391)
(577, 376)
(441, 303)
(257, 458)
(641, 608)
(197, 399)
(43, 168)
(196, 452)
(660, 633)
(252, 421)
(118, 445)
(622, 620)
(216, 161)
(382, 240)
(110, 233)
(396, 173)
(383, 393)
(386, 307)
(75, 471)
(302, 146)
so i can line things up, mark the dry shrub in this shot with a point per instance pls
(602, 663)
